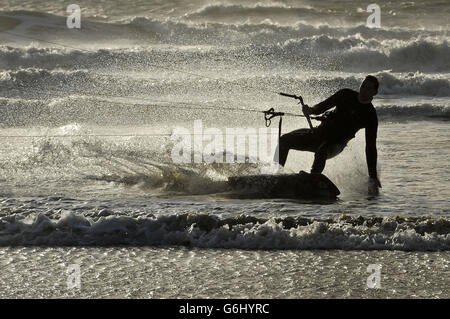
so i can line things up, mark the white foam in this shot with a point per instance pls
(242, 232)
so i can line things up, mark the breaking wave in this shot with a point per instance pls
(242, 232)
(416, 111)
(118, 84)
(140, 29)
(356, 54)
(215, 10)
(317, 52)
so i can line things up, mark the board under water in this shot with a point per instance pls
(298, 186)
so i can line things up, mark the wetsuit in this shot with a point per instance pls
(332, 135)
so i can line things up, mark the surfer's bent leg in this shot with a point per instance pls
(325, 151)
(320, 158)
(300, 140)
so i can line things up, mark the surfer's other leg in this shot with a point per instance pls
(300, 140)
(282, 151)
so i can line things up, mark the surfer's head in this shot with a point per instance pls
(368, 88)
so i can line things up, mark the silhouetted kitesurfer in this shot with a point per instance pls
(353, 111)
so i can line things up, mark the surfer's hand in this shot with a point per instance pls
(374, 184)
(306, 110)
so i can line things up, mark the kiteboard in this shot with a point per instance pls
(294, 186)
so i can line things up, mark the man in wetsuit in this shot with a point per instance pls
(353, 111)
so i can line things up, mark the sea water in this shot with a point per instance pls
(87, 175)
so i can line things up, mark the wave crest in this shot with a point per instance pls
(256, 9)
(241, 232)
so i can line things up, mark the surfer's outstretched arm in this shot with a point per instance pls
(328, 103)
(371, 153)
